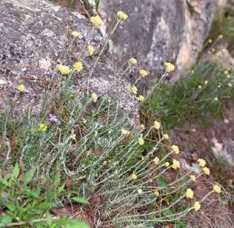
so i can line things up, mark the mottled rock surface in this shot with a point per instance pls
(162, 30)
(35, 36)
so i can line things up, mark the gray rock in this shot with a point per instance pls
(35, 36)
(162, 30)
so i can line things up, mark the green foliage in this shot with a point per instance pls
(224, 24)
(87, 147)
(199, 95)
(28, 201)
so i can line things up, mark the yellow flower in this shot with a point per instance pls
(96, 21)
(206, 171)
(90, 50)
(125, 132)
(42, 127)
(133, 89)
(157, 125)
(142, 126)
(197, 206)
(216, 188)
(143, 73)
(226, 72)
(64, 70)
(169, 67)
(140, 191)
(133, 176)
(175, 164)
(220, 36)
(189, 193)
(122, 15)
(201, 162)
(76, 34)
(140, 98)
(141, 141)
(210, 41)
(94, 97)
(166, 164)
(175, 149)
(132, 61)
(78, 66)
(193, 178)
(156, 160)
(156, 193)
(20, 88)
(165, 136)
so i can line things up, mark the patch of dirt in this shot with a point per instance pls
(215, 143)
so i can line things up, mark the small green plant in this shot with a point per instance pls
(81, 149)
(27, 202)
(198, 96)
(89, 141)
(223, 27)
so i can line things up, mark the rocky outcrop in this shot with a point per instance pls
(159, 31)
(35, 36)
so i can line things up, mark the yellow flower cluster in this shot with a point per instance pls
(157, 125)
(62, 69)
(42, 127)
(197, 206)
(206, 171)
(132, 61)
(193, 178)
(156, 160)
(76, 34)
(140, 191)
(141, 98)
(175, 149)
(133, 89)
(143, 73)
(189, 193)
(78, 66)
(90, 50)
(165, 136)
(141, 141)
(175, 164)
(216, 188)
(122, 16)
(133, 176)
(201, 162)
(94, 97)
(96, 21)
(125, 132)
(20, 88)
(169, 67)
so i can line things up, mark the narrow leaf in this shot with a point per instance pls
(28, 176)
(80, 200)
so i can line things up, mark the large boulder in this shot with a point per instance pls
(162, 30)
(35, 36)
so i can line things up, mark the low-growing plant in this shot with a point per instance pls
(200, 95)
(80, 149)
(88, 140)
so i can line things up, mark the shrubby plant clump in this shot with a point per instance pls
(80, 149)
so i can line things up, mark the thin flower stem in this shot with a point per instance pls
(103, 48)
